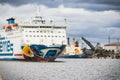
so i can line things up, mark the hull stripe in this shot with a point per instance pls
(18, 55)
(10, 54)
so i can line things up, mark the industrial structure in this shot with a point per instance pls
(113, 46)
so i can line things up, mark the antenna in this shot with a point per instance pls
(109, 39)
(65, 21)
(38, 11)
(118, 39)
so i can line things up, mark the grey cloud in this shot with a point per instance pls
(97, 5)
(116, 25)
(95, 29)
(108, 2)
(94, 7)
(49, 3)
(96, 33)
(113, 24)
(91, 24)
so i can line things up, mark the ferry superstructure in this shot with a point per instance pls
(43, 33)
(35, 40)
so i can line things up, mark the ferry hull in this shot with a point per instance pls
(40, 53)
(43, 53)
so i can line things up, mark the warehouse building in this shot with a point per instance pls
(113, 46)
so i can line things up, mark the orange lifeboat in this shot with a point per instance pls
(9, 26)
(15, 25)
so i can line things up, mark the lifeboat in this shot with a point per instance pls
(9, 26)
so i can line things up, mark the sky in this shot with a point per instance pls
(92, 19)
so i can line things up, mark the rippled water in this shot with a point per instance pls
(62, 69)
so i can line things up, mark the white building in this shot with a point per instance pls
(113, 46)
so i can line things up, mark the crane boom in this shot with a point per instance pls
(88, 43)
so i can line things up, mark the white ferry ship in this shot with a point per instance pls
(36, 40)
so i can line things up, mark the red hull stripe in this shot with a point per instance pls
(18, 55)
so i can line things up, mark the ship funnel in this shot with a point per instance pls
(68, 41)
(76, 44)
(11, 20)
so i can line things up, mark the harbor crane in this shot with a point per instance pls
(97, 51)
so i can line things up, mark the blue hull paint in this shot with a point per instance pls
(10, 59)
(52, 51)
(8, 54)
